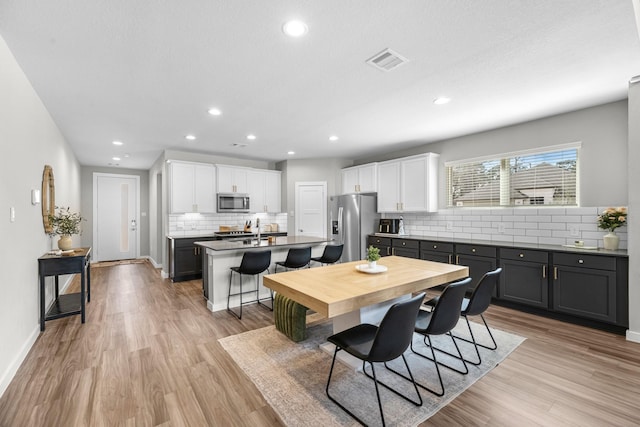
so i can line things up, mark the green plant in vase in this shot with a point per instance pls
(65, 224)
(373, 255)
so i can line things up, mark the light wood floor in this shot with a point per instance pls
(149, 356)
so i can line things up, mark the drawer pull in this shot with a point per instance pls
(403, 243)
(521, 255)
(473, 250)
(435, 246)
(580, 261)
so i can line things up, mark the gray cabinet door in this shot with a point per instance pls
(478, 266)
(585, 292)
(524, 282)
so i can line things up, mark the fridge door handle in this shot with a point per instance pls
(340, 229)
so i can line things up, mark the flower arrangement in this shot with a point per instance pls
(373, 254)
(612, 218)
(65, 222)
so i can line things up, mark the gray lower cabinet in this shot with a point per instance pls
(585, 286)
(187, 259)
(436, 251)
(525, 277)
(408, 248)
(382, 243)
(480, 259)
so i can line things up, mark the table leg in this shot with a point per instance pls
(41, 303)
(57, 287)
(88, 267)
(82, 301)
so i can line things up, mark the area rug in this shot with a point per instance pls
(292, 376)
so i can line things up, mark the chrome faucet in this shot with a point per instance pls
(258, 225)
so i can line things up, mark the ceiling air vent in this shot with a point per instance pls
(238, 144)
(386, 60)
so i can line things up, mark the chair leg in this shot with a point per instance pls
(239, 316)
(333, 362)
(459, 356)
(258, 293)
(409, 378)
(475, 343)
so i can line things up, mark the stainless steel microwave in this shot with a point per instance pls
(233, 202)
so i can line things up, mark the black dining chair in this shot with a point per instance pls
(440, 321)
(476, 305)
(383, 343)
(296, 258)
(330, 255)
(253, 263)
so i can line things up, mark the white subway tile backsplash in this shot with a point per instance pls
(521, 225)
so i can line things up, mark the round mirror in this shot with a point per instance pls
(48, 198)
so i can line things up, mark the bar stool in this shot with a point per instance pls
(331, 254)
(253, 263)
(296, 258)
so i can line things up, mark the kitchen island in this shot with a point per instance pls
(219, 256)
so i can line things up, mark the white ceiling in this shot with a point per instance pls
(146, 71)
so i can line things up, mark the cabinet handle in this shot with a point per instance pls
(555, 273)
(473, 250)
(544, 271)
(521, 255)
(435, 246)
(580, 261)
(450, 259)
(393, 251)
(457, 259)
(403, 243)
(388, 248)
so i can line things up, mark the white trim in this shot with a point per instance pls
(10, 372)
(496, 157)
(633, 336)
(95, 208)
(323, 184)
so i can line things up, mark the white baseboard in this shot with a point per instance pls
(152, 261)
(11, 370)
(164, 274)
(633, 336)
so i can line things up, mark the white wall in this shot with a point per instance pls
(634, 207)
(306, 171)
(29, 140)
(601, 129)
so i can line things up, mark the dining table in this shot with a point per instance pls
(351, 293)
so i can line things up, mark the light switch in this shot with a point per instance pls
(12, 214)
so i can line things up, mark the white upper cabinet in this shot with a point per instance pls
(360, 179)
(264, 190)
(409, 184)
(192, 187)
(232, 179)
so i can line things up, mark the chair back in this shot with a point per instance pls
(446, 313)
(298, 257)
(332, 253)
(396, 330)
(255, 262)
(481, 296)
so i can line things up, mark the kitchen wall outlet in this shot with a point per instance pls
(449, 225)
(501, 227)
(573, 230)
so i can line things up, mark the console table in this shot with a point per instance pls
(67, 304)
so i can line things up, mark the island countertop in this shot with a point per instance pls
(240, 244)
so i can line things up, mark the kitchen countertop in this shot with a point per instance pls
(556, 248)
(213, 235)
(228, 245)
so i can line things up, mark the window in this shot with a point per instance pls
(516, 179)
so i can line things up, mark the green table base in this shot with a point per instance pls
(290, 317)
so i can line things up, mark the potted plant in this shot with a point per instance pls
(373, 255)
(65, 224)
(610, 219)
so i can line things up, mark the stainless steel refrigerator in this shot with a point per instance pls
(352, 217)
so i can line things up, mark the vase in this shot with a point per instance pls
(611, 241)
(372, 265)
(65, 243)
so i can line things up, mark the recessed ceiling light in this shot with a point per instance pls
(291, 153)
(251, 136)
(441, 100)
(117, 142)
(190, 137)
(214, 111)
(333, 138)
(295, 28)
(116, 159)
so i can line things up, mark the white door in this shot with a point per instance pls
(116, 207)
(311, 209)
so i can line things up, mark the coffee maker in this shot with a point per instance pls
(389, 226)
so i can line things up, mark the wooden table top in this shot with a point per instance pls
(340, 288)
